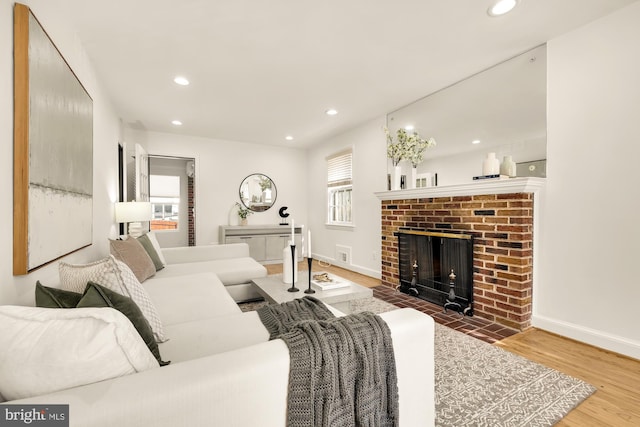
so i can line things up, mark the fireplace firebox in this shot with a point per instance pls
(437, 266)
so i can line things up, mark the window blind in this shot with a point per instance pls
(339, 169)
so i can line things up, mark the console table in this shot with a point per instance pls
(266, 242)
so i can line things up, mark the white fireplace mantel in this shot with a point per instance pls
(475, 188)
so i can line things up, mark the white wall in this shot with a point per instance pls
(220, 168)
(369, 160)
(588, 286)
(19, 289)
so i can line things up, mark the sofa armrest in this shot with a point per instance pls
(413, 335)
(205, 253)
(244, 387)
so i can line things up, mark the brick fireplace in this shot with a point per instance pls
(502, 226)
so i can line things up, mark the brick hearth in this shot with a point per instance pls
(502, 226)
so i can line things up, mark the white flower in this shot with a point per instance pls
(407, 147)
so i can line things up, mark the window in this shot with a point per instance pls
(340, 188)
(165, 201)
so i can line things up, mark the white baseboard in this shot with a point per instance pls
(594, 337)
(356, 268)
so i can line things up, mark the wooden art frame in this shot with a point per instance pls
(53, 151)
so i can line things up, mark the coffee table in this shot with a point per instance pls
(274, 290)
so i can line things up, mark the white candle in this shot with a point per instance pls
(309, 243)
(293, 236)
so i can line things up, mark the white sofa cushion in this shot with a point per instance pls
(192, 340)
(189, 297)
(49, 349)
(230, 271)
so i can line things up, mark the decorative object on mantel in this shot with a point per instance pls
(406, 147)
(491, 165)
(426, 179)
(243, 213)
(508, 167)
(494, 176)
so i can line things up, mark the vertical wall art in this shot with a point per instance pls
(53, 151)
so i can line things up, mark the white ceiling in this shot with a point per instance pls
(261, 70)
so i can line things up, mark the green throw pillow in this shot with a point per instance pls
(98, 296)
(153, 254)
(55, 298)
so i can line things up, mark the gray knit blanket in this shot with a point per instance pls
(342, 370)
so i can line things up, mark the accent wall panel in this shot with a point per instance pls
(53, 150)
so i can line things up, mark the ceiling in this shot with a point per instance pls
(262, 70)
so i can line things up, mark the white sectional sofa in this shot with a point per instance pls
(230, 262)
(224, 370)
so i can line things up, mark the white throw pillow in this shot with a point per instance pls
(47, 349)
(156, 246)
(139, 295)
(116, 276)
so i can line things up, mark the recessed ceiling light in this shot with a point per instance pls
(475, 141)
(288, 138)
(501, 7)
(408, 128)
(331, 112)
(176, 122)
(182, 81)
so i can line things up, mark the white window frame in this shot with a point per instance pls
(340, 186)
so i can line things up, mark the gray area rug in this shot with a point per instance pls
(478, 384)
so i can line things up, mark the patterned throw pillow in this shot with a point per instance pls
(74, 277)
(116, 276)
(139, 295)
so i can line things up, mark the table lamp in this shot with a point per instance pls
(133, 213)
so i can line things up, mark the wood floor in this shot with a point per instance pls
(616, 402)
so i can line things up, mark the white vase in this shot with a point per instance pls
(491, 165)
(508, 167)
(395, 179)
(412, 178)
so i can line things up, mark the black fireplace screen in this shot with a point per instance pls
(432, 255)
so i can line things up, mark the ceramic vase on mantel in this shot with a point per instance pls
(397, 176)
(491, 165)
(412, 178)
(508, 167)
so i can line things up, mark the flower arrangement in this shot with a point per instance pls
(407, 147)
(243, 212)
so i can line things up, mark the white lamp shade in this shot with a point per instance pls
(133, 211)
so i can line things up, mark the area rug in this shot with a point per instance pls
(478, 384)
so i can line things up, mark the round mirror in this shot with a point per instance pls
(258, 192)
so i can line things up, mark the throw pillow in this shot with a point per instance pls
(156, 245)
(132, 253)
(151, 251)
(55, 298)
(74, 277)
(99, 296)
(135, 291)
(44, 349)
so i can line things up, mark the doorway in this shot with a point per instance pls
(172, 197)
